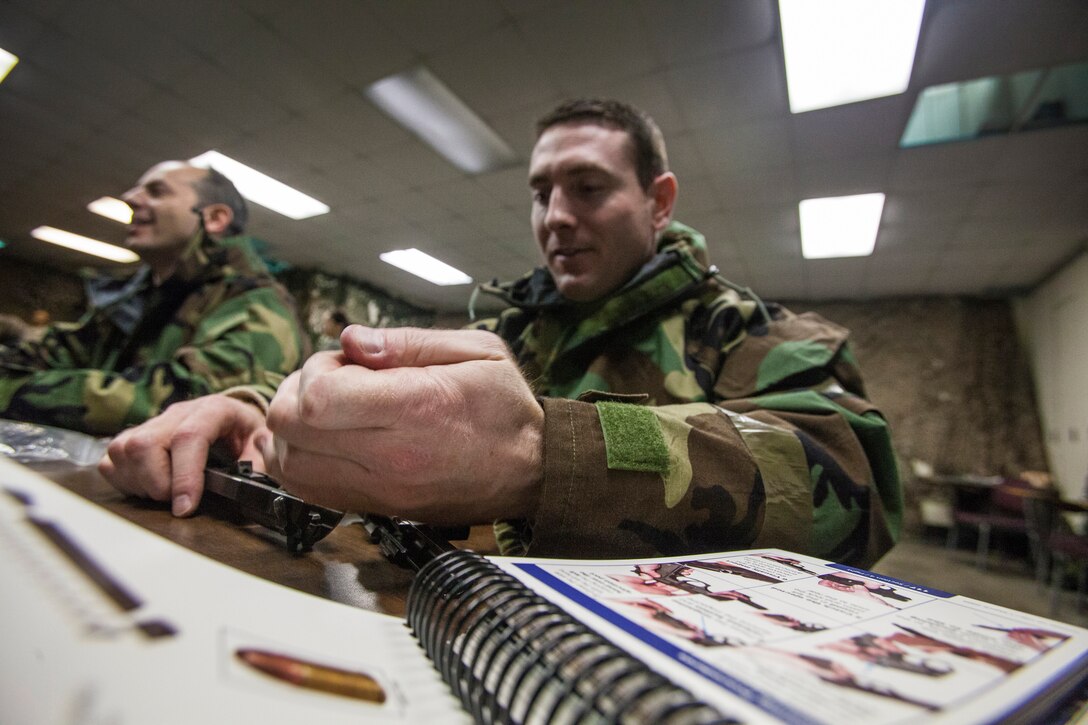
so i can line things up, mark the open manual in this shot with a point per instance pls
(169, 636)
(747, 636)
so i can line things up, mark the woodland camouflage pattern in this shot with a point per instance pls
(678, 421)
(219, 321)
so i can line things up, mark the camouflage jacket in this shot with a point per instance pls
(219, 321)
(683, 417)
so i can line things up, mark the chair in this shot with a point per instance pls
(1055, 548)
(996, 509)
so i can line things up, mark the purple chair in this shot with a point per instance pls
(1056, 548)
(999, 509)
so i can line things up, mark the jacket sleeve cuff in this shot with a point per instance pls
(250, 394)
(574, 457)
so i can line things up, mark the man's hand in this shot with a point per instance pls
(433, 425)
(164, 458)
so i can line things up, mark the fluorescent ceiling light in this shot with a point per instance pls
(112, 208)
(424, 265)
(842, 51)
(419, 101)
(262, 189)
(840, 226)
(83, 244)
(7, 62)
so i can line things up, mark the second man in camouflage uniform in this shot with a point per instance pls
(201, 314)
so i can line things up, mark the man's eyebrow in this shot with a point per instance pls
(581, 169)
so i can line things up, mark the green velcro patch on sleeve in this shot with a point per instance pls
(633, 440)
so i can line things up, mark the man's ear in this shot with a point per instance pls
(217, 219)
(663, 192)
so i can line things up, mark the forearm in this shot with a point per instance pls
(798, 481)
(705, 497)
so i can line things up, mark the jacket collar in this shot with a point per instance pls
(123, 300)
(680, 258)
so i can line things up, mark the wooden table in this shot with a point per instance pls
(344, 566)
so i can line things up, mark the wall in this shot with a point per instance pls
(1053, 322)
(952, 380)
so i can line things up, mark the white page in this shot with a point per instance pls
(54, 668)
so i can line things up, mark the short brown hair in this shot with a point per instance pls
(651, 160)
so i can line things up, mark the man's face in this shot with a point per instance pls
(593, 221)
(162, 209)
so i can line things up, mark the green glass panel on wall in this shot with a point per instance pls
(1023, 101)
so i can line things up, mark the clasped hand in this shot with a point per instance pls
(433, 425)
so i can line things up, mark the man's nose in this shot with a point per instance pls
(133, 197)
(559, 213)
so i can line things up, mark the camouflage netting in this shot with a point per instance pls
(25, 287)
(316, 292)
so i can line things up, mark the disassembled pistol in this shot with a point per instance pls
(260, 499)
(407, 544)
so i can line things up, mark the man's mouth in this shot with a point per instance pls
(561, 255)
(138, 221)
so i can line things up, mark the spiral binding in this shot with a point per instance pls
(512, 656)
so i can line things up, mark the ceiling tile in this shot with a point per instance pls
(493, 71)
(967, 39)
(926, 168)
(770, 187)
(728, 90)
(354, 121)
(764, 145)
(718, 230)
(697, 195)
(267, 64)
(45, 9)
(415, 163)
(587, 43)
(945, 204)
(844, 176)
(909, 238)
(206, 26)
(198, 131)
(868, 128)
(429, 27)
(1043, 157)
(19, 30)
(509, 187)
(85, 66)
(121, 36)
(210, 89)
(707, 27)
(347, 38)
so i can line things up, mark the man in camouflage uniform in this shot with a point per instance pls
(644, 406)
(201, 314)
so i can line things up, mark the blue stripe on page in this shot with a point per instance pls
(892, 580)
(760, 699)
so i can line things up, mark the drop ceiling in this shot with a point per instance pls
(105, 89)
